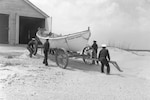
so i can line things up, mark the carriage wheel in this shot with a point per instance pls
(87, 55)
(61, 58)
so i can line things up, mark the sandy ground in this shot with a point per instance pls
(24, 78)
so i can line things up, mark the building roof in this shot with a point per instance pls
(36, 8)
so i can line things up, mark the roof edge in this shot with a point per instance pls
(36, 8)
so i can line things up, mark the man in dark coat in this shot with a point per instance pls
(31, 47)
(104, 58)
(94, 53)
(46, 51)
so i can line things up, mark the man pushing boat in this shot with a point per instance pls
(104, 58)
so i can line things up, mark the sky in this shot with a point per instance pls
(121, 23)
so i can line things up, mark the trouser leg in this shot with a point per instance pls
(35, 50)
(45, 58)
(96, 58)
(93, 61)
(94, 55)
(30, 50)
(108, 68)
(102, 67)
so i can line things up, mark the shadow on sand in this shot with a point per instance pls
(76, 64)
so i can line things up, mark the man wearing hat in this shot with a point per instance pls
(104, 58)
(94, 53)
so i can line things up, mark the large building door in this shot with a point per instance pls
(4, 28)
(28, 28)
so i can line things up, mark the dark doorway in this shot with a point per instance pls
(28, 28)
(4, 28)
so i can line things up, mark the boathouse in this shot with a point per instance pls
(19, 20)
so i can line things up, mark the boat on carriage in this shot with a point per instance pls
(71, 42)
(66, 46)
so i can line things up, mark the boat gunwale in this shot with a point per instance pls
(64, 36)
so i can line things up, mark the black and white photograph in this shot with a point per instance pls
(74, 50)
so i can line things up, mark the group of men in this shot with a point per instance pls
(32, 48)
(103, 56)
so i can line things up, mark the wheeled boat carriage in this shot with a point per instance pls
(67, 46)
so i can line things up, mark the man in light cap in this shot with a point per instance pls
(104, 58)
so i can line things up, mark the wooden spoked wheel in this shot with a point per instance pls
(87, 55)
(61, 58)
